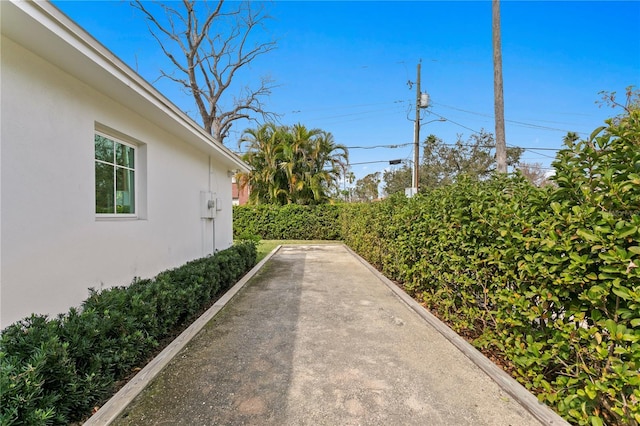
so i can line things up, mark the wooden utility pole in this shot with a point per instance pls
(501, 144)
(416, 137)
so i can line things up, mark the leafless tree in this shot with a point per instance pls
(534, 173)
(210, 45)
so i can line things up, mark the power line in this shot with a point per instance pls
(491, 116)
(406, 160)
(454, 122)
(401, 145)
(535, 149)
(400, 101)
(362, 116)
(369, 162)
(520, 123)
(347, 106)
(353, 114)
(493, 147)
(537, 126)
(546, 156)
(526, 148)
(379, 146)
(509, 146)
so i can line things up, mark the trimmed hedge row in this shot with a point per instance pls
(289, 222)
(549, 278)
(551, 286)
(54, 371)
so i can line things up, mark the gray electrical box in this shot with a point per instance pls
(208, 205)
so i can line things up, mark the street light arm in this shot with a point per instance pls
(433, 121)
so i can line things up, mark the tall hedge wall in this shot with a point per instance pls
(549, 278)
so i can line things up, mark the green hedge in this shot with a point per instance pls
(289, 222)
(54, 371)
(551, 286)
(548, 278)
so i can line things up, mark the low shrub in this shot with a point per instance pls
(55, 370)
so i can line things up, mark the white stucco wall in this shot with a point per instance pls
(53, 246)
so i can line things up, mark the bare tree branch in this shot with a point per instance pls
(210, 46)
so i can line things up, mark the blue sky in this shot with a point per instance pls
(344, 67)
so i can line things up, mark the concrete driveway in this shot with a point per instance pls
(316, 337)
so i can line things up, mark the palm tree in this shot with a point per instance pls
(300, 143)
(264, 155)
(329, 161)
(292, 164)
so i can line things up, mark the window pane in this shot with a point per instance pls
(104, 149)
(104, 188)
(115, 183)
(124, 155)
(125, 191)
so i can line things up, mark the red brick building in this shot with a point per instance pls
(239, 196)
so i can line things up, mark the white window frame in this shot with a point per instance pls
(135, 178)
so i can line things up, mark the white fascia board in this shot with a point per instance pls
(44, 29)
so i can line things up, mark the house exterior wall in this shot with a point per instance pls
(53, 246)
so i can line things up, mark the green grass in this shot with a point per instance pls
(266, 246)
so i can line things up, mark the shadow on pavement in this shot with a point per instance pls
(238, 369)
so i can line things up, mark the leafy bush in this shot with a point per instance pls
(585, 281)
(53, 371)
(290, 222)
(547, 277)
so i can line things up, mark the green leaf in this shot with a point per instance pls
(596, 421)
(597, 131)
(596, 315)
(611, 326)
(586, 235)
(627, 231)
(622, 293)
(610, 270)
(596, 291)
